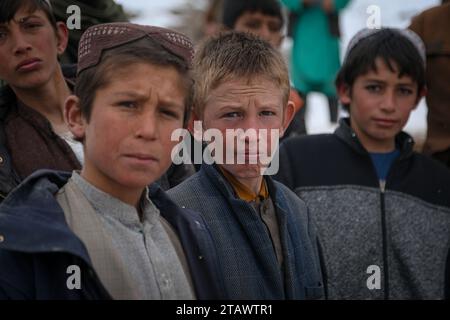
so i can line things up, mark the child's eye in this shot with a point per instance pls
(128, 104)
(253, 24)
(232, 115)
(32, 25)
(405, 91)
(267, 113)
(374, 88)
(3, 34)
(170, 113)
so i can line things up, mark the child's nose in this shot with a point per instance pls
(251, 122)
(147, 126)
(20, 42)
(389, 101)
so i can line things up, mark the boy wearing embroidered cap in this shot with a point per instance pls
(126, 241)
(382, 210)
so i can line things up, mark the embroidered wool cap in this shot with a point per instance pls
(101, 37)
(408, 34)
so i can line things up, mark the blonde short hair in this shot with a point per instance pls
(236, 55)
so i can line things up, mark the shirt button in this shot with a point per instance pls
(166, 281)
(1, 160)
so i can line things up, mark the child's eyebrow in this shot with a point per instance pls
(406, 84)
(269, 105)
(171, 105)
(378, 81)
(129, 94)
(26, 18)
(4, 25)
(230, 107)
(139, 96)
(374, 80)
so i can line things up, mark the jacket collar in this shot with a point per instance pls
(168, 209)
(344, 132)
(220, 182)
(32, 221)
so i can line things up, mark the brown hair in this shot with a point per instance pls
(9, 8)
(232, 55)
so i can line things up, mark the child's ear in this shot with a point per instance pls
(74, 118)
(288, 115)
(194, 117)
(197, 135)
(62, 36)
(344, 93)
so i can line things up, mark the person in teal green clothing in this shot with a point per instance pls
(315, 53)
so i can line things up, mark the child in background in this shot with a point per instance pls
(382, 211)
(32, 129)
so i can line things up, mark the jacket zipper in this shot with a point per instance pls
(384, 235)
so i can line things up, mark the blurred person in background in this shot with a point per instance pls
(212, 24)
(315, 54)
(433, 26)
(92, 12)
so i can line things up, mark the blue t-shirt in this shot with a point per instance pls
(383, 162)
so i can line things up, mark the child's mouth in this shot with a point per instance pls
(385, 122)
(141, 158)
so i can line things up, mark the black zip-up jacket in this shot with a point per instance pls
(380, 239)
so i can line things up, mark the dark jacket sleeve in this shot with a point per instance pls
(8, 292)
(285, 172)
(15, 271)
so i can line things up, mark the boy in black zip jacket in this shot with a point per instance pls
(382, 211)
